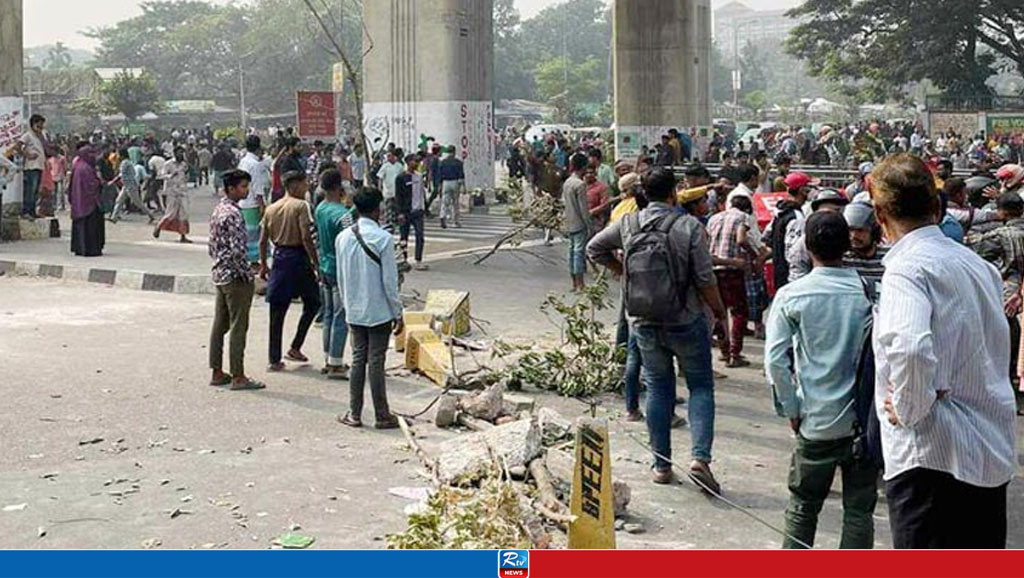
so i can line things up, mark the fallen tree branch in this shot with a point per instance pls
(545, 488)
(430, 464)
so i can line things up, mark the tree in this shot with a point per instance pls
(884, 45)
(753, 64)
(59, 57)
(721, 76)
(755, 100)
(129, 95)
(580, 30)
(512, 78)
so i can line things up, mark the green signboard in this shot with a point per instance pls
(1005, 125)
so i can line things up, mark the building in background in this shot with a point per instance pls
(428, 74)
(736, 24)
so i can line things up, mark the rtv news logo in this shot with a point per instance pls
(514, 564)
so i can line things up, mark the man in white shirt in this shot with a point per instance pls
(748, 175)
(943, 396)
(156, 181)
(34, 152)
(254, 204)
(387, 174)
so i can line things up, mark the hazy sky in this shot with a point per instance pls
(49, 21)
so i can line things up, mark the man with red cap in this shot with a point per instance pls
(788, 223)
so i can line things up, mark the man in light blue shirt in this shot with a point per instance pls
(820, 321)
(368, 284)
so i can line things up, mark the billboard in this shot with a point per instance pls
(964, 124)
(315, 111)
(1010, 125)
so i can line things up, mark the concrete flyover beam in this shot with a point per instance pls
(430, 73)
(662, 69)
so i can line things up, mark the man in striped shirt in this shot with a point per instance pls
(941, 348)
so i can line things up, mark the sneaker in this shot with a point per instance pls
(700, 474)
(422, 267)
(678, 421)
(663, 477)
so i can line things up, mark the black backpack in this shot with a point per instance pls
(867, 433)
(653, 289)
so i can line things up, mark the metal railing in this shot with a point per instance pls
(831, 177)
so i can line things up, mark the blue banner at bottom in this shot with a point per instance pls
(250, 564)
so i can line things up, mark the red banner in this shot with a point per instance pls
(316, 115)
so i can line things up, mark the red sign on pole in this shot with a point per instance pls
(316, 115)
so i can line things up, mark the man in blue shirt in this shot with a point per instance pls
(368, 283)
(820, 322)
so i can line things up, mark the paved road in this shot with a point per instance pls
(131, 246)
(81, 362)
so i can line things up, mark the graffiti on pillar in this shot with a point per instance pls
(382, 129)
(11, 120)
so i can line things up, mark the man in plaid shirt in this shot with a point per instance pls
(731, 245)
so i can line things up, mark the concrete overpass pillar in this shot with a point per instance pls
(429, 73)
(11, 121)
(662, 70)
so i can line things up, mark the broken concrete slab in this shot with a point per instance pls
(514, 404)
(553, 426)
(467, 458)
(447, 409)
(488, 404)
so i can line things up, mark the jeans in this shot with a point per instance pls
(369, 350)
(659, 346)
(30, 182)
(578, 253)
(632, 377)
(278, 311)
(231, 313)
(335, 327)
(929, 509)
(414, 220)
(811, 472)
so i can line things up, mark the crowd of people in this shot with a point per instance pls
(890, 311)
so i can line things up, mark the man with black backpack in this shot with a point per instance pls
(669, 280)
(820, 321)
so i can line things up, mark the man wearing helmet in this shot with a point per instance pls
(866, 253)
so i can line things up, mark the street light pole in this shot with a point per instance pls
(241, 93)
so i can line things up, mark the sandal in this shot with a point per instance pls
(391, 422)
(297, 357)
(276, 367)
(225, 380)
(350, 421)
(249, 385)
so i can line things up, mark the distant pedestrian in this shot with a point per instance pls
(387, 175)
(578, 222)
(453, 181)
(942, 347)
(233, 278)
(368, 278)
(34, 152)
(288, 225)
(254, 205)
(332, 217)
(176, 208)
(411, 204)
(87, 226)
(130, 188)
(223, 161)
(815, 333)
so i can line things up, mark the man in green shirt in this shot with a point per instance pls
(332, 217)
